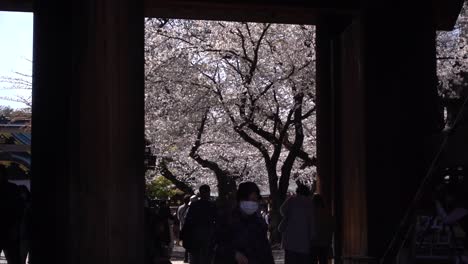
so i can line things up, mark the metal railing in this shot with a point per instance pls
(437, 241)
(401, 236)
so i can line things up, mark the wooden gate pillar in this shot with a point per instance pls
(402, 112)
(88, 135)
(377, 105)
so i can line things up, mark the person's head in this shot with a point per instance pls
(302, 190)
(3, 174)
(318, 200)
(186, 199)
(205, 192)
(248, 196)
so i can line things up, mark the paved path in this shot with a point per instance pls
(178, 256)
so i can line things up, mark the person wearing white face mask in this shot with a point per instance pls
(244, 237)
(249, 207)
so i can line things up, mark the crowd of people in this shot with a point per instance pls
(159, 234)
(211, 235)
(240, 235)
(15, 220)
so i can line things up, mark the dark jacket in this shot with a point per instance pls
(199, 227)
(297, 223)
(12, 209)
(157, 235)
(245, 234)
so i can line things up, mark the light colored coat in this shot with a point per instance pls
(296, 226)
(181, 214)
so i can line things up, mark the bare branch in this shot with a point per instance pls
(293, 153)
(184, 187)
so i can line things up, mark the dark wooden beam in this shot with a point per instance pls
(446, 13)
(16, 5)
(294, 12)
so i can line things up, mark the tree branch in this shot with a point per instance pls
(293, 153)
(225, 179)
(166, 173)
(309, 113)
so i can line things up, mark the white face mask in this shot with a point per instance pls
(248, 207)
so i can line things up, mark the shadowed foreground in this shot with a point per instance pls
(178, 256)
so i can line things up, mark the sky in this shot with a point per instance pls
(16, 44)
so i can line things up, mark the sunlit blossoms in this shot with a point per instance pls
(231, 100)
(452, 57)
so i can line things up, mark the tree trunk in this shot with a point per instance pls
(276, 202)
(227, 186)
(275, 220)
(226, 183)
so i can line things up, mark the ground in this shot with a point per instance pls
(178, 256)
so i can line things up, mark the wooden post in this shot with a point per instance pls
(402, 112)
(88, 188)
(340, 124)
(377, 105)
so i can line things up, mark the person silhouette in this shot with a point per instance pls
(181, 215)
(12, 208)
(297, 218)
(199, 228)
(322, 231)
(26, 223)
(243, 238)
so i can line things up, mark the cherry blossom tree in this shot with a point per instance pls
(452, 65)
(233, 100)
